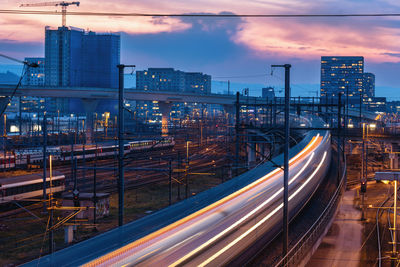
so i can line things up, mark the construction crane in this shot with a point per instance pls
(26, 63)
(63, 5)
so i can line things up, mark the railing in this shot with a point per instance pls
(303, 247)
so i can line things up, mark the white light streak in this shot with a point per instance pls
(213, 257)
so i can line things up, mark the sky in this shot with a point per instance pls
(237, 49)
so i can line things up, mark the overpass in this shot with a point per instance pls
(130, 94)
(91, 96)
(95, 93)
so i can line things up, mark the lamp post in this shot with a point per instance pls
(121, 68)
(363, 178)
(394, 177)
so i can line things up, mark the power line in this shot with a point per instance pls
(85, 13)
(242, 76)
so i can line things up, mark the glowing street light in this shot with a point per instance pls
(384, 177)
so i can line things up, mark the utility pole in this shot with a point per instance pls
(170, 180)
(44, 159)
(363, 180)
(347, 111)
(179, 175)
(51, 234)
(394, 177)
(20, 115)
(187, 170)
(121, 68)
(360, 108)
(339, 118)
(237, 133)
(95, 191)
(286, 160)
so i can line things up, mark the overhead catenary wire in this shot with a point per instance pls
(204, 15)
(240, 76)
(27, 65)
(24, 70)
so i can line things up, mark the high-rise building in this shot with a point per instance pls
(369, 84)
(341, 75)
(78, 58)
(160, 79)
(197, 82)
(346, 75)
(34, 76)
(100, 57)
(168, 79)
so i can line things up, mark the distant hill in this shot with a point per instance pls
(8, 78)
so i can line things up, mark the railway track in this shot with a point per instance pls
(107, 179)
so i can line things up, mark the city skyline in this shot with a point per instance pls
(238, 49)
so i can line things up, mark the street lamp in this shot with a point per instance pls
(391, 176)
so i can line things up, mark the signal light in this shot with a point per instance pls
(363, 187)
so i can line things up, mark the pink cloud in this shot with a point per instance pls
(296, 38)
(302, 38)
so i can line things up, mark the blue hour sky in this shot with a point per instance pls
(238, 49)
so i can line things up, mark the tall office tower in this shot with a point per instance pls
(34, 76)
(101, 55)
(78, 58)
(168, 79)
(369, 84)
(63, 55)
(342, 74)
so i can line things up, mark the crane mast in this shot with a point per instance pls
(63, 5)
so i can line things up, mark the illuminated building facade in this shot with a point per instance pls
(78, 58)
(341, 75)
(369, 84)
(346, 75)
(170, 80)
(34, 76)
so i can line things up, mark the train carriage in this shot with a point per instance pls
(29, 186)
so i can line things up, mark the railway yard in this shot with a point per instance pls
(146, 191)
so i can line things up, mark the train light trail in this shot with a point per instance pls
(244, 218)
(213, 257)
(174, 238)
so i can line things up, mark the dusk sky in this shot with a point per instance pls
(231, 47)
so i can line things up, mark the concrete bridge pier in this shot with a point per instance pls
(165, 108)
(90, 106)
